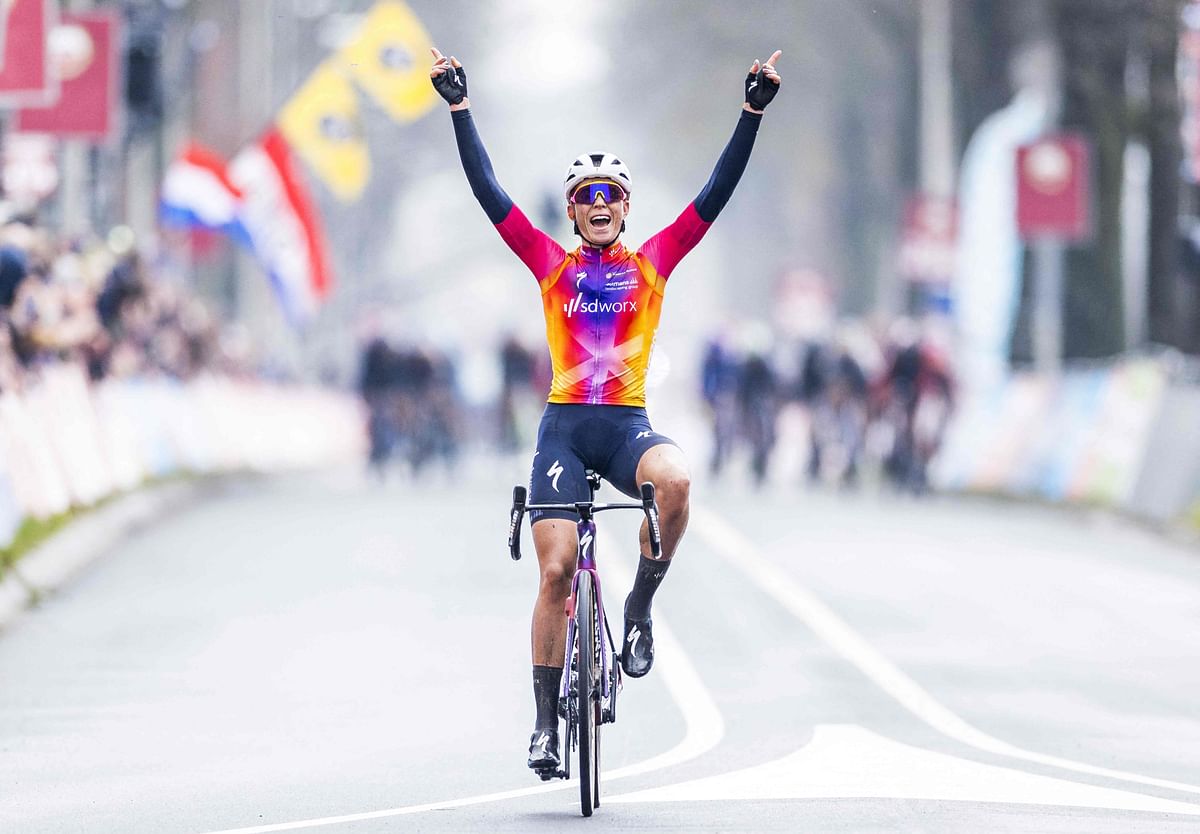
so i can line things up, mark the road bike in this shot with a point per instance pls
(592, 672)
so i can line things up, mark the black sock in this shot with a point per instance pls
(546, 680)
(650, 574)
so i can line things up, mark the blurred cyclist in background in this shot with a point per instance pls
(758, 399)
(518, 366)
(835, 389)
(602, 303)
(719, 375)
(915, 395)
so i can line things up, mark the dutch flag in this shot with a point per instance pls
(260, 200)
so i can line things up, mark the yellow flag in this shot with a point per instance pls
(321, 123)
(388, 58)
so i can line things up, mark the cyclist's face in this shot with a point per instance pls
(600, 222)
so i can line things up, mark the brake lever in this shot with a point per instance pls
(514, 523)
(651, 509)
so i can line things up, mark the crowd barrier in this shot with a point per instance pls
(1121, 436)
(68, 443)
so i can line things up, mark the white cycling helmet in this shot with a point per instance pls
(594, 166)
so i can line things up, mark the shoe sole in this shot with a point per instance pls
(632, 674)
(546, 771)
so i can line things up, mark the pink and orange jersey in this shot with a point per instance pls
(601, 306)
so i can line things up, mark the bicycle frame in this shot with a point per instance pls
(585, 562)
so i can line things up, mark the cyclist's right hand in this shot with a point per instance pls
(448, 77)
(762, 83)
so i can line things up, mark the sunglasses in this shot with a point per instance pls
(610, 192)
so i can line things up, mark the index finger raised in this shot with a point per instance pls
(774, 57)
(436, 55)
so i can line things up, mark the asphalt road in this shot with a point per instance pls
(325, 654)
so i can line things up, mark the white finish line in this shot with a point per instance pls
(850, 762)
(704, 730)
(743, 554)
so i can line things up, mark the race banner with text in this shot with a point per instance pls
(84, 55)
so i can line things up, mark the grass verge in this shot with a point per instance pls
(33, 531)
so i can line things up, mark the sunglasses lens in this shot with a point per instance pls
(610, 192)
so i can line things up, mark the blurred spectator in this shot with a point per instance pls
(92, 302)
(12, 272)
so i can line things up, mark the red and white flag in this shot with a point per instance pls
(197, 192)
(280, 224)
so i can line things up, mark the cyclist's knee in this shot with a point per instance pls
(556, 576)
(673, 490)
(666, 467)
(556, 543)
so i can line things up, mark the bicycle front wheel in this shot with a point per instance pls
(586, 694)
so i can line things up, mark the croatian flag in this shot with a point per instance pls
(261, 202)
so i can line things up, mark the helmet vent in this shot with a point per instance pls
(597, 158)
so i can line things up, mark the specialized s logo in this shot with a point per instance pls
(585, 543)
(553, 472)
(578, 305)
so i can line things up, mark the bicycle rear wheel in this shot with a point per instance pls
(586, 691)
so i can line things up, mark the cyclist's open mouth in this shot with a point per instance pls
(600, 222)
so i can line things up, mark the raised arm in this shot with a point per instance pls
(762, 82)
(536, 249)
(667, 248)
(450, 80)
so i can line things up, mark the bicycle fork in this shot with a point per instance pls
(610, 676)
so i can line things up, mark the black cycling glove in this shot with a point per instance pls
(451, 84)
(760, 89)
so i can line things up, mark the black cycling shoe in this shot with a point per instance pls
(638, 654)
(543, 751)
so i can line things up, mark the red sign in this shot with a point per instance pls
(1053, 194)
(25, 73)
(927, 243)
(83, 50)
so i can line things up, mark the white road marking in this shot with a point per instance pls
(704, 726)
(850, 762)
(743, 554)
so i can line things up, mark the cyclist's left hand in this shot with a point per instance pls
(449, 79)
(762, 83)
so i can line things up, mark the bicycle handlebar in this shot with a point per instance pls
(647, 505)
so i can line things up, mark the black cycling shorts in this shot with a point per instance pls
(572, 438)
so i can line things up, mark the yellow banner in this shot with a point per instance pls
(389, 59)
(322, 124)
